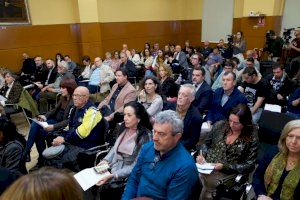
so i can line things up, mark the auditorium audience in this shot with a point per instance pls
(50, 91)
(45, 184)
(239, 45)
(224, 99)
(228, 67)
(214, 62)
(135, 57)
(128, 65)
(115, 62)
(132, 134)
(280, 86)
(12, 146)
(85, 130)
(204, 93)
(11, 92)
(232, 149)
(27, 70)
(278, 173)
(293, 108)
(100, 78)
(58, 58)
(164, 169)
(107, 61)
(40, 70)
(181, 57)
(169, 89)
(121, 93)
(150, 97)
(58, 118)
(196, 63)
(126, 51)
(256, 91)
(87, 71)
(147, 60)
(206, 50)
(249, 54)
(71, 64)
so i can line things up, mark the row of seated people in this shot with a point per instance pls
(231, 149)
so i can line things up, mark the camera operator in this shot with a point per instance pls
(226, 51)
(273, 45)
(294, 55)
(239, 46)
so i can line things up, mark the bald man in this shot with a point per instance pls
(181, 57)
(86, 130)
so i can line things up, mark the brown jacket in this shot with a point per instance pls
(14, 94)
(127, 94)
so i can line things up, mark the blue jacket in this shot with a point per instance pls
(86, 127)
(203, 97)
(217, 112)
(170, 176)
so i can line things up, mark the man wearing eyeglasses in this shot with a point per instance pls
(164, 169)
(85, 129)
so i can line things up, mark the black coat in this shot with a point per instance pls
(203, 97)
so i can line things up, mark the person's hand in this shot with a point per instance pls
(108, 118)
(102, 82)
(49, 128)
(263, 197)
(218, 166)
(39, 85)
(50, 90)
(102, 162)
(41, 118)
(279, 97)
(200, 159)
(104, 179)
(44, 89)
(58, 141)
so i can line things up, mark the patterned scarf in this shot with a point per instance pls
(273, 175)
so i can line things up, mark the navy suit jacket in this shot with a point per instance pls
(203, 97)
(217, 112)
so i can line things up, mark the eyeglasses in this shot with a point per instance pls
(80, 96)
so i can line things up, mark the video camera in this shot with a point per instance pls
(287, 35)
(230, 40)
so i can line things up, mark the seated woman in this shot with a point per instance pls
(233, 149)
(149, 96)
(56, 118)
(147, 60)
(12, 146)
(133, 133)
(11, 91)
(47, 184)
(278, 176)
(169, 89)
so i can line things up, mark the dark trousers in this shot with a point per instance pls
(37, 135)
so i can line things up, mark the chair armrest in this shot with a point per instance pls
(100, 153)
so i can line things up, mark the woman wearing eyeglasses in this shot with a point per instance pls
(56, 118)
(232, 149)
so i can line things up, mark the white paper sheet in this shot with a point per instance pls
(42, 124)
(205, 128)
(205, 168)
(2, 98)
(273, 108)
(88, 178)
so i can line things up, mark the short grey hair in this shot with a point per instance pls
(63, 64)
(191, 87)
(172, 118)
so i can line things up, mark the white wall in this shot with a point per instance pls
(217, 19)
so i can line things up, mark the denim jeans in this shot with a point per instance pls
(37, 135)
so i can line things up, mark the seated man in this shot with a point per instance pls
(101, 76)
(280, 84)
(71, 65)
(128, 65)
(122, 92)
(204, 93)
(256, 90)
(11, 91)
(228, 67)
(50, 91)
(214, 61)
(164, 169)
(85, 130)
(196, 63)
(224, 99)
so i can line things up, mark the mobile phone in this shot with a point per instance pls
(101, 168)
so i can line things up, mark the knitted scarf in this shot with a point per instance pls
(273, 174)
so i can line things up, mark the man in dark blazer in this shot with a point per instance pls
(190, 115)
(128, 65)
(224, 99)
(204, 93)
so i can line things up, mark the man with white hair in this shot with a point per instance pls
(50, 91)
(164, 169)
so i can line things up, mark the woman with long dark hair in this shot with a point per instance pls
(133, 133)
(232, 149)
